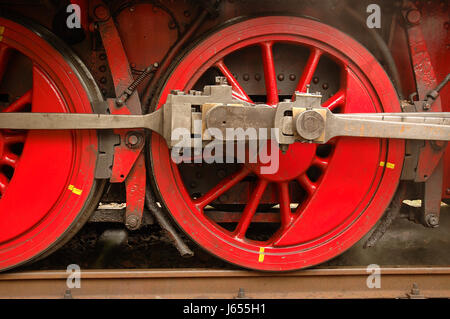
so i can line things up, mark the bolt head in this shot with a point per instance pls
(432, 220)
(413, 16)
(310, 125)
(132, 221)
(101, 12)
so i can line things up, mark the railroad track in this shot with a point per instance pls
(339, 282)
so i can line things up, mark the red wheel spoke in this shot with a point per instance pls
(309, 70)
(307, 184)
(14, 138)
(320, 162)
(5, 54)
(270, 77)
(3, 183)
(336, 100)
(250, 209)
(10, 159)
(285, 204)
(221, 188)
(20, 103)
(238, 91)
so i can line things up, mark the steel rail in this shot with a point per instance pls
(340, 282)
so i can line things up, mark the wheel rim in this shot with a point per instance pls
(350, 170)
(53, 170)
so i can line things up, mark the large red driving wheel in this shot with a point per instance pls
(47, 185)
(326, 197)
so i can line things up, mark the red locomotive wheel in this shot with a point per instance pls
(340, 189)
(47, 186)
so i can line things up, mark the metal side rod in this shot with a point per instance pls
(403, 126)
(68, 121)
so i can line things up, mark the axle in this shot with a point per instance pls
(300, 120)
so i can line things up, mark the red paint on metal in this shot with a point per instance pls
(426, 81)
(129, 163)
(135, 189)
(55, 170)
(353, 190)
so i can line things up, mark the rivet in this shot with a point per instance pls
(221, 173)
(280, 77)
(246, 77)
(292, 77)
(257, 77)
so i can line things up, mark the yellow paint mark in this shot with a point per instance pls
(2, 29)
(74, 190)
(261, 254)
(388, 165)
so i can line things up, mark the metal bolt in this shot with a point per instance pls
(241, 294)
(101, 12)
(221, 173)
(315, 80)
(257, 77)
(280, 77)
(413, 16)
(134, 139)
(432, 220)
(310, 125)
(132, 9)
(132, 222)
(292, 77)
(172, 24)
(246, 77)
(325, 86)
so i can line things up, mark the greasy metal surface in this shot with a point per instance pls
(425, 80)
(343, 282)
(117, 216)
